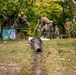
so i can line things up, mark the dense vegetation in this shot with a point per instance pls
(57, 10)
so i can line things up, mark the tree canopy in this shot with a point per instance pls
(56, 10)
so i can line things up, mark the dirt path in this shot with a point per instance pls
(38, 67)
(9, 69)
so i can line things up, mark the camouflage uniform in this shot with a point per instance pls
(67, 26)
(57, 32)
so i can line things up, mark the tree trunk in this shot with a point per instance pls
(0, 28)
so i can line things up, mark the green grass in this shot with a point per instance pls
(59, 57)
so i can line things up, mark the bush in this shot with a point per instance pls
(73, 30)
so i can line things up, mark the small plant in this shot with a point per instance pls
(60, 51)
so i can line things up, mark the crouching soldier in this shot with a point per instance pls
(48, 23)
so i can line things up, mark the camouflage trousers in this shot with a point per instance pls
(68, 33)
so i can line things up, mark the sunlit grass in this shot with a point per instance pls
(59, 56)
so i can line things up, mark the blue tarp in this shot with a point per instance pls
(9, 34)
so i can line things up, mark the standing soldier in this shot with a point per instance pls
(67, 26)
(57, 32)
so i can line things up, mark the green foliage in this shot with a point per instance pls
(9, 7)
(73, 30)
(55, 10)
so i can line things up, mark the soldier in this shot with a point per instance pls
(52, 30)
(67, 26)
(57, 32)
(48, 23)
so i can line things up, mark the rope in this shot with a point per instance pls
(16, 19)
(18, 16)
(3, 16)
(35, 28)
